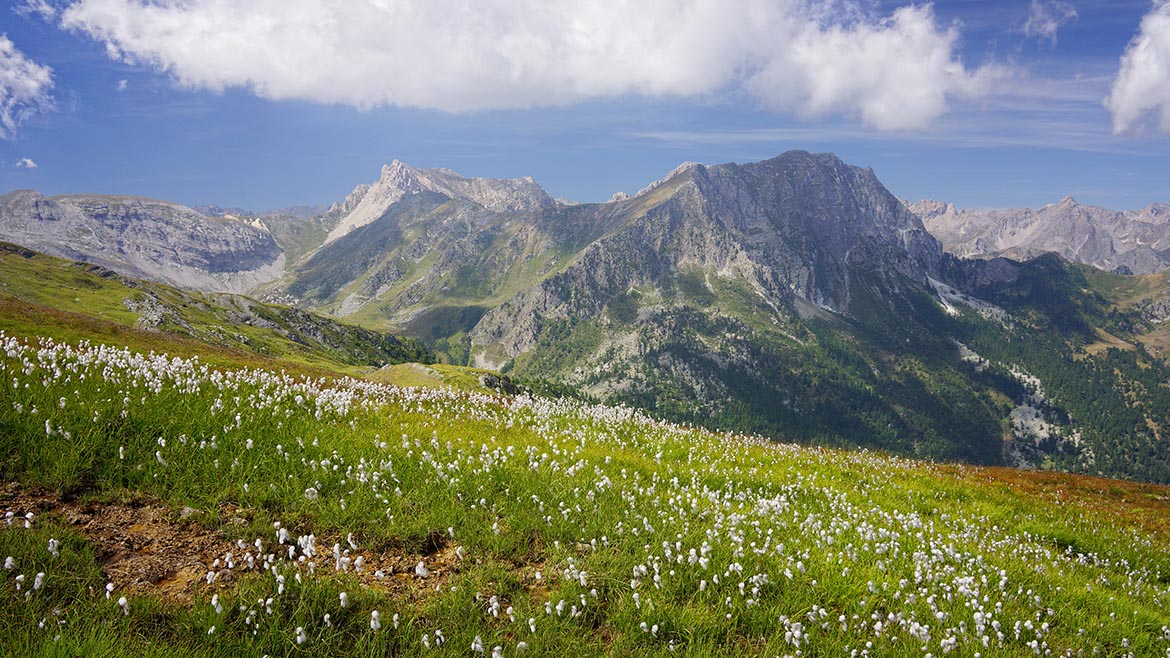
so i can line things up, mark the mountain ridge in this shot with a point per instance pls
(144, 237)
(1129, 242)
(785, 256)
(367, 202)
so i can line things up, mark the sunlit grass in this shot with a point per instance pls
(505, 525)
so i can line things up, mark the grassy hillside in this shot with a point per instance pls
(42, 295)
(160, 507)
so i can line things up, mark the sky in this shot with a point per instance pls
(272, 103)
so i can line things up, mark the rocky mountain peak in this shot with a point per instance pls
(930, 208)
(368, 202)
(674, 173)
(1155, 213)
(401, 175)
(801, 230)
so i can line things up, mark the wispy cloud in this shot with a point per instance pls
(35, 8)
(26, 163)
(1063, 114)
(1141, 91)
(1046, 17)
(898, 72)
(25, 88)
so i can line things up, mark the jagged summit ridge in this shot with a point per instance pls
(1136, 242)
(369, 201)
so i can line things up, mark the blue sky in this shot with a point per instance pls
(986, 103)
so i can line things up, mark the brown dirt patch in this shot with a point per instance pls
(142, 546)
(146, 548)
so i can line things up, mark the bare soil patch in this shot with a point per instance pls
(146, 548)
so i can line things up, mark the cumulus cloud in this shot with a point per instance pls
(122, 84)
(26, 163)
(25, 88)
(1046, 17)
(896, 72)
(1141, 90)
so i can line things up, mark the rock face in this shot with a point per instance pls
(369, 201)
(143, 238)
(797, 230)
(1130, 242)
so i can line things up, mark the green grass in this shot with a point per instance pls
(606, 504)
(437, 374)
(42, 295)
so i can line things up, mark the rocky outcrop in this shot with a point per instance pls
(1128, 242)
(144, 238)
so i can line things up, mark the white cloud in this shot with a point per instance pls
(1142, 85)
(26, 163)
(1046, 17)
(38, 7)
(896, 74)
(25, 88)
(452, 55)
(122, 84)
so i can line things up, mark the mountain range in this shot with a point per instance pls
(1127, 242)
(795, 297)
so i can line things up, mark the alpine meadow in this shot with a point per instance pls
(298, 357)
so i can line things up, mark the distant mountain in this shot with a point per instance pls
(145, 238)
(788, 224)
(1133, 242)
(802, 232)
(368, 202)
